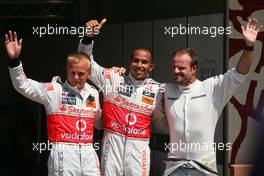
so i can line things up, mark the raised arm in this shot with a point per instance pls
(100, 76)
(224, 86)
(92, 28)
(29, 88)
(250, 32)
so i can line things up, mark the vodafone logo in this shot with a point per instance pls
(131, 119)
(81, 125)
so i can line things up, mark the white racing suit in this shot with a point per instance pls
(70, 122)
(192, 114)
(127, 114)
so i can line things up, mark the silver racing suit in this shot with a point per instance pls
(128, 107)
(70, 121)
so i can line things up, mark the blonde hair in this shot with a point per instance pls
(77, 57)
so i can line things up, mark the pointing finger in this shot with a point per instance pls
(102, 23)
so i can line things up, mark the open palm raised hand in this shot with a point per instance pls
(13, 46)
(250, 31)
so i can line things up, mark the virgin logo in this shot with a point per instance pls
(81, 125)
(131, 119)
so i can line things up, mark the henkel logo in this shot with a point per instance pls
(81, 125)
(131, 119)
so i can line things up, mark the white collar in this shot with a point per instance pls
(85, 88)
(187, 89)
(135, 81)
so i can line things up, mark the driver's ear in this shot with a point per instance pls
(194, 68)
(152, 66)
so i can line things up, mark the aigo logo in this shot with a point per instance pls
(81, 125)
(131, 119)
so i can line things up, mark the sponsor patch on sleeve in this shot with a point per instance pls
(49, 86)
(106, 73)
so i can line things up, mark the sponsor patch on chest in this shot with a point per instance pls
(172, 98)
(148, 97)
(199, 96)
(90, 102)
(69, 101)
(147, 100)
(126, 89)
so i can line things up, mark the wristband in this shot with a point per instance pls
(249, 48)
(87, 40)
(13, 62)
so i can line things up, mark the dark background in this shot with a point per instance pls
(22, 122)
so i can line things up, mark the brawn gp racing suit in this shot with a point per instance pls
(127, 114)
(70, 121)
(192, 114)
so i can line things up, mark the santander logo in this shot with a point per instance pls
(74, 110)
(136, 106)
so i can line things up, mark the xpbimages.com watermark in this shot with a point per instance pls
(81, 31)
(126, 89)
(194, 146)
(212, 31)
(42, 146)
